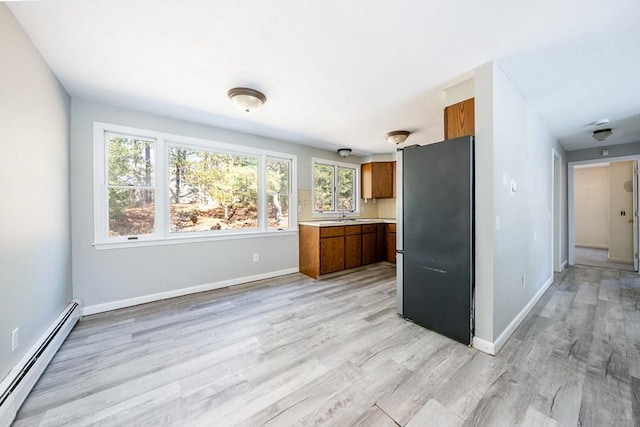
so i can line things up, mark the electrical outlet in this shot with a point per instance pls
(524, 281)
(256, 257)
(15, 339)
(498, 222)
(535, 236)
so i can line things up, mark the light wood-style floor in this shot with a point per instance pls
(593, 257)
(294, 351)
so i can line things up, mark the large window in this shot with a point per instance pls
(335, 187)
(151, 187)
(210, 190)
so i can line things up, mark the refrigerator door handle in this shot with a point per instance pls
(399, 251)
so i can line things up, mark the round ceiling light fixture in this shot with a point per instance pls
(344, 152)
(602, 134)
(397, 136)
(246, 99)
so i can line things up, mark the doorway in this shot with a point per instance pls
(603, 206)
(556, 211)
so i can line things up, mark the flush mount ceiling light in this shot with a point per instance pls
(246, 99)
(602, 134)
(344, 152)
(397, 136)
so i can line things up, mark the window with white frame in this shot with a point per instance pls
(335, 187)
(153, 186)
(130, 182)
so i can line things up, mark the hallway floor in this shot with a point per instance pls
(598, 258)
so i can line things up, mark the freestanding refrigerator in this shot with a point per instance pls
(435, 255)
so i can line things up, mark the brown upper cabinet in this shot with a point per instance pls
(377, 180)
(459, 119)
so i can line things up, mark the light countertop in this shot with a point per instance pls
(355, 221)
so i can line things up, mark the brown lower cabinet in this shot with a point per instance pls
(331, 254)
(381, 242)
(369, 244)
(352, 251)
(329, 249)
(391, 242)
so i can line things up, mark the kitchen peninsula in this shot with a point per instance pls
(332, 246)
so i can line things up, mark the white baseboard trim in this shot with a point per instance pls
(484, 346)
(504, 336)
(621, 260)
(129, 302)
(494, 347)
(564, 264)
(35, 363)
(592, 245)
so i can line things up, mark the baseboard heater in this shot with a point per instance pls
(19, 382)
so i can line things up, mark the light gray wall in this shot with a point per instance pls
(596, 153)
(564, 209)
(484, 202)
(35, 253)
(512, 142)
(106, 276)
(522, 147)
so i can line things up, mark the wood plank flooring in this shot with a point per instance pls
(295, 351)
(593, 257)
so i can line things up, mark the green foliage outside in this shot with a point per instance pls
(130, 165)
(225, 180)
(324, 188)
(205, 188)
(278, 177)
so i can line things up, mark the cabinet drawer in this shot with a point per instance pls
(331, 231)
(353, 229)
(369, 228)
(391, 228)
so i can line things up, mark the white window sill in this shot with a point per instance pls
(181, 240)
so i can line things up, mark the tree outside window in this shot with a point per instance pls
(335, 187)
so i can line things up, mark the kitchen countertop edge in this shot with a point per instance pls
(335, 223)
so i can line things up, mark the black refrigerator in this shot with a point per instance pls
(435, 248)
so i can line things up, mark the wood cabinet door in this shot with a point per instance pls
(391, 246)
(331, 254)
(382, 180)
(377, 180)
(381, 243)
(369, 252)
(459, 119)
(353, 251)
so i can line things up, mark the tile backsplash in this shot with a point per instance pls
(386, 208)
(381, 208)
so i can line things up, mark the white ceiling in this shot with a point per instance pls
(345, 73)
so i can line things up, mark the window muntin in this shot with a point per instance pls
(151, 187)
(335, 187)
(130, 178)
